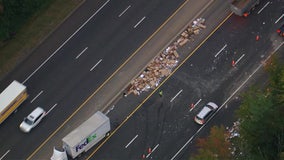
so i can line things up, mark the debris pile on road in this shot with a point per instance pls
(233, 132)
(162, 65)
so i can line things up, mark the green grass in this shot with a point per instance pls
(34, 32)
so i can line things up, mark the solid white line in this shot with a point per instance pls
(278, 47)
(65, 42)
(96, 64)
(131, 141)
(152, 150)
(263, 7)
(279, 18)
(239, 59)
(36, 96)
(51, 108)
(81, 53)
(139, 22)
(5, 154)
(176, 96)
(195, 104)
(221, 50)
(251, 75)
(124, 11)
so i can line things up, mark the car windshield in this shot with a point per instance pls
(29, 122)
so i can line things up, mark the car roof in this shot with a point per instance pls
(212, 105)
(35, 113)
(205, 110)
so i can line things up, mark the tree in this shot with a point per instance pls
(214, 147)
(262, 118)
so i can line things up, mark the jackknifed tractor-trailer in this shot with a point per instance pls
(83, 137)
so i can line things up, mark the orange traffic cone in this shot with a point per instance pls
(233, 63)
(257, 38)
(149, 150)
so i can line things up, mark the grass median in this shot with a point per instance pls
(33, 33)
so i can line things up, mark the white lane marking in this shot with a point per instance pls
(96, 65)
(176, 96)
(124, 11)
(81, 53)
(36, 96)
(5, 154)
(195, 104)
(152, 150)
(278, 47)
(51, 108)
(251, 75)
(239, 59)
(109, 110)
(139, 22)
(279, 18)
(221, 50)
(65, 42)
(263, 7)
(131, 141)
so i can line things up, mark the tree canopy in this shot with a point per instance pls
(14, 13)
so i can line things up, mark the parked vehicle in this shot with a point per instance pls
(205, 113)
(243, 7)
(83, 137)
(280, 31)
(32, 120)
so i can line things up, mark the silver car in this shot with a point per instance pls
(207, 110)
(32, 119)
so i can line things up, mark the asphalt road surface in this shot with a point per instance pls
(74, 61)
(224, 66)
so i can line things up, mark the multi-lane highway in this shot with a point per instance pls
(218, 71)
(74, 61)
(99, 38)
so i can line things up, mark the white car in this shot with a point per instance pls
(32, 119)
(206, 111)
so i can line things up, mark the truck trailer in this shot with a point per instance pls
(243, 7)
(83, 137)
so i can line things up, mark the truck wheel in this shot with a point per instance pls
(107, 134)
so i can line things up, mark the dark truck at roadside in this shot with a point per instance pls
(280, 31)
(243, 7)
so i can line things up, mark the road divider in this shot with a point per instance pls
(263, 7)
(131, 141)
(220, 50)
(51, 108)
(81, 53)
(124, 11)
(4, 154)
(36, 96)
(96, 65)
(139, 22)
(176, 95)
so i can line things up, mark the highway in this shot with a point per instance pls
(65, 71)
(74, 61)
(226, 64)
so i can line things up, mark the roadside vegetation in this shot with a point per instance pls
(25, 23)
(259, 132)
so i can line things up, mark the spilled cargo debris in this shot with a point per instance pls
(162, 65)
